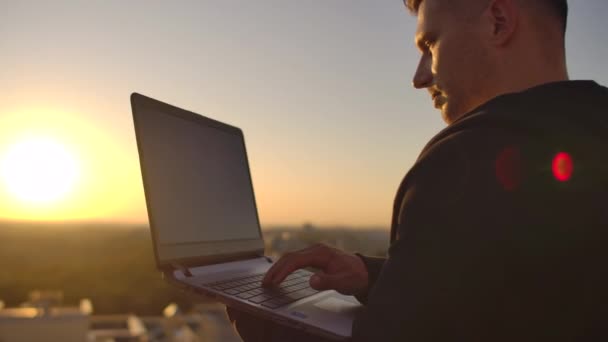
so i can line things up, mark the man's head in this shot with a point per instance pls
(475, 50)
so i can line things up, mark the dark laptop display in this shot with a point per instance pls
(202, 201)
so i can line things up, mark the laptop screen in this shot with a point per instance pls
(198, 186)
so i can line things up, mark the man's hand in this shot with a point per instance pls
(340, 271)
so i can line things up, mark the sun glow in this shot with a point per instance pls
(60, 165)
(39, 170)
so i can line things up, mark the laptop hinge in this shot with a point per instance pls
(182, 268)
(266, 257)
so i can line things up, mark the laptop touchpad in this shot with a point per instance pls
(333, 306)
(336, 305)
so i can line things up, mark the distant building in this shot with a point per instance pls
(38, 324)
(44, 299)
(125, 328)
(43, 318)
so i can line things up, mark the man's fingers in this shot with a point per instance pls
(249, 327)
(283, 270)
(288, 264)
(272, 271)
(317, 256)
(233, 315)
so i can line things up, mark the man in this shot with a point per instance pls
(499, 230)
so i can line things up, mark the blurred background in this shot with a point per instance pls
(321, 89)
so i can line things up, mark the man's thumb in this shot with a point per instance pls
(321, 281)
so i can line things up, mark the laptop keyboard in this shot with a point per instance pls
(294, 287)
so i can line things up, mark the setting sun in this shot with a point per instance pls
(38, 170)
(58, 165)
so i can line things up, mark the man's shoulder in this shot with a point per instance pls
(515, 144)
(549, 114)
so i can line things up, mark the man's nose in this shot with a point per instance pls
(424, 76)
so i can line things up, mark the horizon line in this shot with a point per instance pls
(146, 224)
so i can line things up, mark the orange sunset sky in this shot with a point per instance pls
(321, 89)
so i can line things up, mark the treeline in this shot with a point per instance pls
(111, 265)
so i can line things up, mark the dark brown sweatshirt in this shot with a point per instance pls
(500, 229)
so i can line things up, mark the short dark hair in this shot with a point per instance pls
(559, 8)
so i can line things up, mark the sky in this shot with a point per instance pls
(322, 90)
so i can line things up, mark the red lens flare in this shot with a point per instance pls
(563, 167)
(508, 168)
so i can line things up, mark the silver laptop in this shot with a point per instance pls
(204, 221)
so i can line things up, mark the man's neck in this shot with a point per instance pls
(522, 71)
(533, 79)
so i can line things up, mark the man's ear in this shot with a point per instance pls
(502, 19)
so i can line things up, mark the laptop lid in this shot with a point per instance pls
(197, 184)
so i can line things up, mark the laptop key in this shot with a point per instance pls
(290, 282)
(261, 298)
(300, 294)
(293, 288)
(285, 299)
(247, 295)
(257, 291)
(292, 276)
(272, 305)
(229, 285)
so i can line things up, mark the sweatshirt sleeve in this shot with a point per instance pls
(373, 265)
